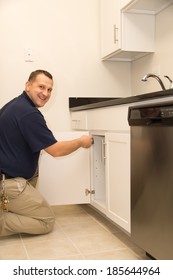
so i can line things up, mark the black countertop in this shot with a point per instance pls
(82, 103)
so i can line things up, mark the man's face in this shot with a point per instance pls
(39, 90)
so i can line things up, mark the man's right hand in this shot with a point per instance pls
(86, 141)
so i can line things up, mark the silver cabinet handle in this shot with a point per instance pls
(103, 150)
(115, 34)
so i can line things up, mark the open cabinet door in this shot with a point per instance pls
(63, 180)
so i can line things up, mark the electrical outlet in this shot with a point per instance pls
(29, 55)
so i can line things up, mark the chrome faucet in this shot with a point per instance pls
(171, 82)
(145, 78)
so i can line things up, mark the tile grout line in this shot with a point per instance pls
(102, 226)
(24, 247)
(80, 253)
(126, 246)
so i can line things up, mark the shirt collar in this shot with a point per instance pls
(27, 97)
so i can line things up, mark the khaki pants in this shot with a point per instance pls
(28, 212)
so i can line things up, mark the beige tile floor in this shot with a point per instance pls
(80, 233)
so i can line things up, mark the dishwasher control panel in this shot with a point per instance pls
(154, 114)
(166, 112)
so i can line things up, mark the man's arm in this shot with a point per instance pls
(64, 148)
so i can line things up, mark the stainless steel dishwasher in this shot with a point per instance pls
(152, 178)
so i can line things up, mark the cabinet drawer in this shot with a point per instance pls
(110, 118)
(79, 120)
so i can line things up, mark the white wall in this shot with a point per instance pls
(64, 36)
(161, 61)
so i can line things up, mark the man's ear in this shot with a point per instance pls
(27, 86)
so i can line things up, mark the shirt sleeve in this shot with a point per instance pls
(36, 133)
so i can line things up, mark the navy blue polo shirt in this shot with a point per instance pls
(23, 134)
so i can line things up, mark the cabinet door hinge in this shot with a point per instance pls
(87, 192)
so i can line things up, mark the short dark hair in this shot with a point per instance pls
(35, 73)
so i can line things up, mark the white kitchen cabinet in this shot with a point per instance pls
(110, 23)
(63, 180)
(118, 178)
(110, 177)
(99, 175)
(125, 36)
(110, 163)
(146, 6)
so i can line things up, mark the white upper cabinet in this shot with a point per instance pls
(125, 36)
(128, 28)
(146, 6)
(110, 24)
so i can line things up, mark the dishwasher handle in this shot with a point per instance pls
(154, 122)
